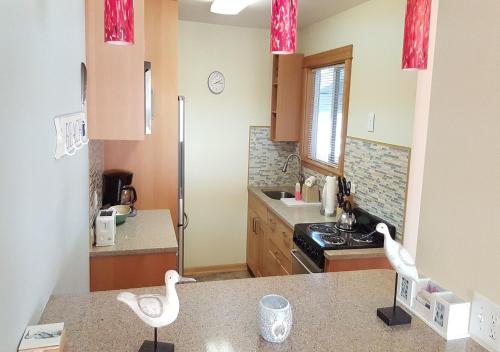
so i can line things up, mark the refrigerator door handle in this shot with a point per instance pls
(186, 221)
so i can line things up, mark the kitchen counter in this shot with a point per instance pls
(331, 312)
(150, 231)
(290, 215)
(310, 214)
(361, 253)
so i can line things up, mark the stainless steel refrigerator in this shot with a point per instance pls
(182, 218)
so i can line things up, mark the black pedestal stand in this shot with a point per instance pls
(394, 315)
(155, 346)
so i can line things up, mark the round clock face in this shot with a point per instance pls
(216, 82)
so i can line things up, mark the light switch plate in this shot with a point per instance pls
(371, 122)
(484, 324)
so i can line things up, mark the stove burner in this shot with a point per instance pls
(335, 240)
(324, 229)
(344, 230)
(362, 238)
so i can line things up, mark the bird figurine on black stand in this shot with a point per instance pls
(156, 310)
(403, 264)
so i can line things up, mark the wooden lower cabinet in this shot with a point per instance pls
(269, 241)
(357, 264)
(255, 234)
(130, 271)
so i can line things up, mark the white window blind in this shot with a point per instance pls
(325, 115)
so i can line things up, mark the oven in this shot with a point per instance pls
(302, 264)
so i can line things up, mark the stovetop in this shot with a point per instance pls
(314, 239)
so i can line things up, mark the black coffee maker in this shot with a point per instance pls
(117, 188)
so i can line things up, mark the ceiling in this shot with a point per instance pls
(258, 14)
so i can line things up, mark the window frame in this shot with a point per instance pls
(337, 56)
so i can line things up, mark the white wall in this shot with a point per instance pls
(378, 84)
(459, 240)
(217, 129)
(419, 145)
(44, 208)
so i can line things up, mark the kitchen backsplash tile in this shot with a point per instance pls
(266, 159)
(379, 171)
(96, 168)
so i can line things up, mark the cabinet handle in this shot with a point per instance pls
(256, 220)
(253, 225)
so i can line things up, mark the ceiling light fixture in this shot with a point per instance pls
(119, 22)
(229, 7)
(416, 37)
(284, 26)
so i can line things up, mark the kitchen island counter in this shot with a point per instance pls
(150, 231)
(331, 312)
(145, 247)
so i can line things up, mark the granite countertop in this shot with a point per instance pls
(331, 312)
(150, 231)
(290, 215)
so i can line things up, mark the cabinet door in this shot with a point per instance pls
(115, 78)
(286, 97)
(254, 242)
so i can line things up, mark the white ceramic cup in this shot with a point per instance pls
(275, 318)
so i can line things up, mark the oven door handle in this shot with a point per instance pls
(293, 251)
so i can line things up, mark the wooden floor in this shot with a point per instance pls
(223, 276)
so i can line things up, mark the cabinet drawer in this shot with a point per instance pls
(284, 259)
(282, 240)
(256, 205)
(280, 234)
(273, 266)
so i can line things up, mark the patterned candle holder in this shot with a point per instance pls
(275, 318)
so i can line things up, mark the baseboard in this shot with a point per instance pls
(215, 269)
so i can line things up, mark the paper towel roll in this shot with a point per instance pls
(331, 185)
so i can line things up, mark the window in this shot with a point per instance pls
(325, 120)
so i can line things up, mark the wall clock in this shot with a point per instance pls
(216, 82)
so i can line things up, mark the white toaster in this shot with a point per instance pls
(105, 228)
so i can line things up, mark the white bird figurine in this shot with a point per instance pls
(398, 256)
(156, 310)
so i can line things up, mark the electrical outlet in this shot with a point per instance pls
(353, 188)
(485, 322)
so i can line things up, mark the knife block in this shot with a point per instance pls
(310, 194)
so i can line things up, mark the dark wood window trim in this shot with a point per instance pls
(327, 58)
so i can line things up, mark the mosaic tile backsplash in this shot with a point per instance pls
(266, 159)
(96, 168)
(379, 171)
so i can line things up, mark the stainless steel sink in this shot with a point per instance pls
(278, 194)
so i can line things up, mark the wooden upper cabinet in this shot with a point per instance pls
(286, 102)
(115, 78)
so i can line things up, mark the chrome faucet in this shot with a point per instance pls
(301, 177)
